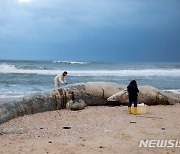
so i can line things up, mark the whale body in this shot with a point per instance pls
(92, 93)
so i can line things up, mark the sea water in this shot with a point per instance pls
(20, 78)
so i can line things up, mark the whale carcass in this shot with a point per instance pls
(92, 93)
(148, 95)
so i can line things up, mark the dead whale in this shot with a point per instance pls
(92, 93)
(148, 95)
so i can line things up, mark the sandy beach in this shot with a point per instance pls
(94, 130)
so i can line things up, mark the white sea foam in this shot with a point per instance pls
(14, 94)
(5, 68)
(70, 62)
(175, 91)
(8, 95)
(145, 72)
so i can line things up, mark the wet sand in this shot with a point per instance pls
(2, 101)
(94, 130)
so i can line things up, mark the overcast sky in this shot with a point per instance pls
(90, 30)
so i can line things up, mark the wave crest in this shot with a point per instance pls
(70, 62)
(5, 68)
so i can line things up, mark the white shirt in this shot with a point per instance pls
(60, 78)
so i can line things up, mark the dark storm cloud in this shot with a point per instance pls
(128, 30)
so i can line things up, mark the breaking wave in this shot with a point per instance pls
(6, 68)
(70, 62)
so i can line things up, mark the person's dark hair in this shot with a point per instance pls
(64, 73)
(133, 82)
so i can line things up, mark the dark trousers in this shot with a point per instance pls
(130, 103)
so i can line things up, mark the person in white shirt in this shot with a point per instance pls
(60, 79)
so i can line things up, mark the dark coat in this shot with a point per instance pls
(132, 91)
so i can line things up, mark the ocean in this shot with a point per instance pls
(20, 78)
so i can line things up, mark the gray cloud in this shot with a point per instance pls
(96, 25)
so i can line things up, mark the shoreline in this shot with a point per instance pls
(3, 101)
(96, 129)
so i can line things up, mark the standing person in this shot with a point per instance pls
(60, 78)
(132, 92)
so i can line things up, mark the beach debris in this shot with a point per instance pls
(50, 141)
(101, 147)
(163, 128)
(132, 121)
(66, 127)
